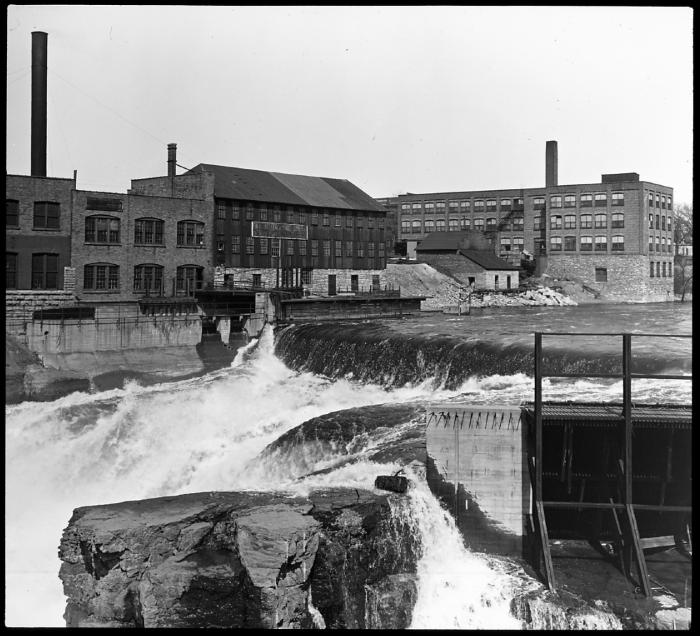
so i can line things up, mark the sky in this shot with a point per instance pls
(392, 98)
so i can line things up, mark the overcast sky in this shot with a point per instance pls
(394, 99)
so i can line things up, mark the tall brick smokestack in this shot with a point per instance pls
(172, 152)
(39, 55)
(551, 177)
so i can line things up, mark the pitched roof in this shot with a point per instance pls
(288, 189)
(487, 260)
(442, 241)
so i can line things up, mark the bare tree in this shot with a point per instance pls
(683, 263)
(683, 229)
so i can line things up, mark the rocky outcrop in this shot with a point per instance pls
(336, 558)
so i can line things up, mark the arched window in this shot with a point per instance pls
(618, 243)
(569, 243)
(440, 225)
(189, 278)
(555, 222)
(586, 243)
(416, 227)
(190, 234)
(617, 220)
(148, 277)
(491, 223)
(148, 232)
(454, 225)
(102, 229)
(601, 243)
(586, 221)
(429, 225)
(555, 243)
(101, 276)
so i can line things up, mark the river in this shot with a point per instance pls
(212, 432)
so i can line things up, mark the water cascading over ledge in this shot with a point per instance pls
(374, 353)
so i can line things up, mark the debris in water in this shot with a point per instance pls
(395, 483)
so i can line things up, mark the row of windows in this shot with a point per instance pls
(147, 277)
(453, 225)
(660, 244)
(271, 246)
(44, 271)
(586, 243)
(277, 214)
(47, 214)
(489, 204)
(662, 268)
(586, 221)
(106, 229)
(662, 222)
(661, 201)
(585, 200)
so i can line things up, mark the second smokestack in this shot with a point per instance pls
(172, 152)
(39, 56)
(551, 165)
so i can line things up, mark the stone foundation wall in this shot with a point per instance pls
(628, 277)
(19, 305)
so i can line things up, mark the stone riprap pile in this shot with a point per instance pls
(532, 297)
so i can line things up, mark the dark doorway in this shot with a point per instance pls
(331, 284)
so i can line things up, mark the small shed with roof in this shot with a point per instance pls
(468, 257)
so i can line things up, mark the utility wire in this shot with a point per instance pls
(19, 77)
(160, 141)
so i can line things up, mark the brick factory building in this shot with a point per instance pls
(280, 230)
(615, 236)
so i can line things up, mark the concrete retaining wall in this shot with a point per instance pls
(20, 304)
(477, 466)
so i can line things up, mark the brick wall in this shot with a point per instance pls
(628, 277)
(186, 186)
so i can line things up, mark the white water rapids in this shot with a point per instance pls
(199, 435)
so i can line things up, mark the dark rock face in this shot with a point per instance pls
(337, 559)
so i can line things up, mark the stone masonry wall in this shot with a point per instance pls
(19, 305)
(462, 269)
(628, 276)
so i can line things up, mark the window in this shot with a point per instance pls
(440, 225)
(465, 205)
(10, 270)
(478, 206)
(429, 207)
(221, 211)
(586, 200)
(249, 245)
(381, 249)
(491, 223)
(370, 221)
(618, 198)
(302, 248)
(651, 243)
(658, 270)
(618, 243)
(314, 217)
(570, 222)
(348, 248)
(518, 204)
(506, 204)
(570, 201)
(370, 250)
(360, 222)
(338, 220)
(236, 212)
(189, 278)
(658, 225)
(586, 243)
(264, 245)
(440, 206)
(465, 223)
(44, 271)
(257, 280)
(101, 276)
(495, 281)
(651, 269)
(429, 225)
(601, 243)
(491, 205)
(658, 244)
(148, 277)
(314, 247)
(651, 221)
(518, 223)
(601, 200)
(538, 222)
(11, 213)
(348, 221)
(101, 229)
(263, 213)
(46, 215)
(148, 232)
(569, 243)
(658, 201)
(505, 244)
(326, 248)
(601, 275)
(663, 269)
(454, 225)
(601, 221)
(650, 200)
(663, 222)
(518, 243)
(306, 273)
(417, 206)
(360, 250)
(555, 244)
(405, 206)
(586, 221)
(406, 226)
(555, 201)
(538, 203)
(338, 248)
(668, 244)
(555, 222)
(235, 245)
(540, 246)
(190, 233)
(415, 227)
(668, 224)
(617, 220)
(326, 218)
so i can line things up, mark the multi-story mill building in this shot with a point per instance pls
(616, 235)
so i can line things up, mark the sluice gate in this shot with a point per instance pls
(617, 475)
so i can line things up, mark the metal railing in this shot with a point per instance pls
(624, 464)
